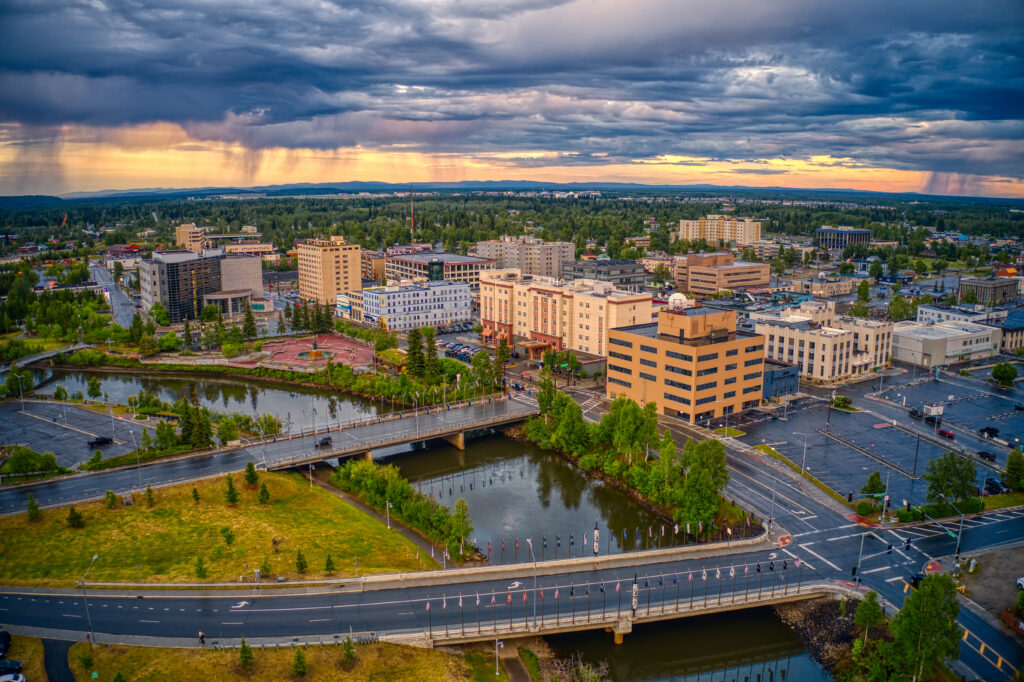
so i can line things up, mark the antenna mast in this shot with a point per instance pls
(412, 218)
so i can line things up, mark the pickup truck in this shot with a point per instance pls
(100, 441)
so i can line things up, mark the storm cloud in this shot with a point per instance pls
(926, 86)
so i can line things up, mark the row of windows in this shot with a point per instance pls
(648, 349)
(677, 384)
(704, 401)
(621, 370)
(619, 382)
(679, 356)
(677, 398)
(678, 370)
(707, 371)
(753, 361)
(751, 389)
(620, 356)
(648, 377)
(704, 387)
(619, 342)
(648, 363)
(709, 356)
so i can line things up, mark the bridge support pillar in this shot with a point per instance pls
(369, 456)
(457, 439)
(621, 629)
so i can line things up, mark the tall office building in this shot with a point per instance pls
(529, 255)
(625, 275)
(328, 267)
(184, 282)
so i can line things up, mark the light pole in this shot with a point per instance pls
(960, 533)
(138, 457)
(497, 643)
(387, 511)
(803, 460)
(529, 541)
(21, 391)
(85, 600)
(828, 414)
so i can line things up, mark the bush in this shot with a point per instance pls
(75, 518)
(299, 667)
(230, 350)
(300, 562)
(907, 516)
(33, 508)
(245, 657)
(864, 508)
(110, 499)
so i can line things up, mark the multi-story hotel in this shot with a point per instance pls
(825, 347)
(529, 255)
(724, 228)
(189, 237)
(547, 313)
(328, 267)
(692, 363)
(708, 273)
(404, 307)
(627, 275)
(437, 267)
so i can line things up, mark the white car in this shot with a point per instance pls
(12, 677)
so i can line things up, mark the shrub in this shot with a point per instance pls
(300, 562)
(150, 501)
(245, 656)
(229, 535)
(264, 496)
(33, 508)
(348, 653)
(110, 499)
(75, 518)
(201, 571)
(299, 667)
(864, 508)
(230, 350)
(251, 476)
(231, 494)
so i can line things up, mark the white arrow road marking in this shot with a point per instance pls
(240, 605)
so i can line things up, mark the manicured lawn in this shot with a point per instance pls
(162, 544)
(1000, 501)
(731, 432)
(373, 662)
(29, 651)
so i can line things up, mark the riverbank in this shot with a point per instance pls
(826, 628)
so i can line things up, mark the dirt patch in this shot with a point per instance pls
(993, 584)
(817, 622)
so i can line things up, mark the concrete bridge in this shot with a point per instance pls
(450, 423)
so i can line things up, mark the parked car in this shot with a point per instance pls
(1019, 407)
(946, 433)
(8, 665)
(100, 441)
(12, 677)
(988, 431)
(324, 442)
(5, 643)
(987, 456)
(995, 487)
(916, 414)
(1020, 583)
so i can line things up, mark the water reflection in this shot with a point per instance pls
(742, 646)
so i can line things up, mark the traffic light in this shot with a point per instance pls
(889, 551)
(853, 572)
(849, 497)
(908, 505)
(888, 502)
(907, 545)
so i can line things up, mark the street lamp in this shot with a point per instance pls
(85, 599)
(497, 643)
(529, 541)
(138, 457)
(21, 391)
(387, 510)
(803, 460)
(960, 532)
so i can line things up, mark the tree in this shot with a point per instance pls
(874, 486)
(925, 631)
(94, 391)
(950, 476)
(661, 272)
(864, 291)
(33, 508)
(299, 667)
(264, 496)
(348, 652)
(329, 564)
(135, 330)
(210, 313)
(251, 477)
(1004, 373)
(1015, 469)
(706, 476)
(168, 343)
(461, 525)
(150, 501)
(13, 386)
(875, 269)
(118, 270)
(281, 328)
(859, 309)
(60, 393)
(195, 495)
(186, 334)
(846, 268)
(300, 562)
(502, 354)
(414, 357)
(265, 569)
(201, 571)
(970, 297)
(245, 657)
(869, 613)
(227, 430)
(228, 535)
(75, 518)
(159, 313)
(231, 494)
(148, 346)
(483, 371)
(249, 323)
(431, 365)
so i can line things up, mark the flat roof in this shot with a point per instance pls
(427, 257)
(610, 263)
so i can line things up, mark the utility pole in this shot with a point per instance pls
(85, 600)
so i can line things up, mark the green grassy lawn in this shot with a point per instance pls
(1001, 501)
(161, 544)
(373, 662)
(731, 432)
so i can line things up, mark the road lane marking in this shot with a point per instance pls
(806, 547)
(70, 615)
(148, 621)
(232, 623)
(318, 620)
(876, 570)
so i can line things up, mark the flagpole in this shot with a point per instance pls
(677, 592)
(719, 574)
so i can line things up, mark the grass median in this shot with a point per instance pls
(163, 543)
(372, 662)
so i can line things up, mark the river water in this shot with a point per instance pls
(517, 491)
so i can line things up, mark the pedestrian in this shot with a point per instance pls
(202, 638)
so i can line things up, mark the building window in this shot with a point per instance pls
(704, 387)
(705, 401)
(649, 349)
(707, 371)
(733, 351)
(730, 366)
(753, 361)
(678, 399)
(619, 342)
(679, 356)
(729, 394)
(648, 377)
(646, 362)
(678, 370)
(620, 356)
(752, 375)
(677, 384)
(709, 356)
(751, 389)
(619, 382)
(621, 370)
(730, 380)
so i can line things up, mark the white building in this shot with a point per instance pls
(944, 343)
(930, 313)
(406, 306)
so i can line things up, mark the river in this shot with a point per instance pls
(517, 491)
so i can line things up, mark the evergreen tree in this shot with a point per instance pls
(201, 571)
(1015, 469)
(300, 562)
(281, 328)
(150, 501)
(245, 657)
(869, 613)
(265, 570)
(135, 330)
(329, 564)
(195, 495)
(251, 477)
(431, 365)
(414, 358)
(186, 334)
(33, 508)
(299, 667)
(231, 494)
(264, 496)
(75, 518)
(348, 653)
(249, 323)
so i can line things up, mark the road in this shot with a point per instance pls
(93, 486)
(122, 307)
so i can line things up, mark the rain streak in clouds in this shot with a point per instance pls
(936, 87)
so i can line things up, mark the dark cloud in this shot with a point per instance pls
(934, 86)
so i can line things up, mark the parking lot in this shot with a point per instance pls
(42, 428)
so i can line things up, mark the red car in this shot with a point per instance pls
(946, 433)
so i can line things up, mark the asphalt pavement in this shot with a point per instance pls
(122, 307)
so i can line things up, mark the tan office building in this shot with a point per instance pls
(189, 237)
(529, 255)
(704, 274)
(824, 287)
(264, 250)
(574, 315)
(373, 265)
(693, 363)
(716, 228)
(328, 267)
(825, 346)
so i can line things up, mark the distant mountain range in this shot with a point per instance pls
(307, 188)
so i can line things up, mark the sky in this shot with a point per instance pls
(901, 96)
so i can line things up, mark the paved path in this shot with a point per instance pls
(55, 659)
(514, 668)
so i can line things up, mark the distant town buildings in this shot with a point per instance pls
(824, 346)
(990, 290)
(437, 267)
(829, 237)
(373, 265)
(931, 313)
(824, 287)
(328, 267)
(542, 312)
(944, 343)
(403, 307)
(716, 228)
(625, 275)
(704, 274)
(529, 255)
(692, 363)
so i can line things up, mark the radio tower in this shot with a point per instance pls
(412, 218)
